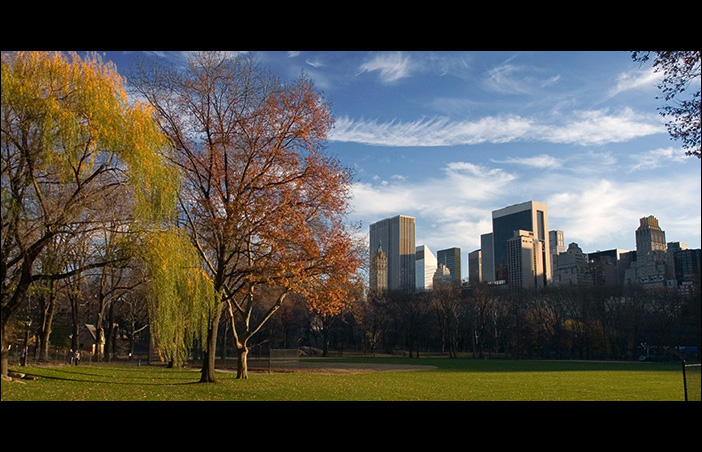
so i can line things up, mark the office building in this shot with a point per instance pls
(556, 241)
(475, 267)
(525, 255)
(571, 267)
(425, 267)
(487, 261)
(649, 269)
(529, 216)
(688, 268)
(607, 267)
(442, 275)
(451, 259)
(395, 238)
(649, 236)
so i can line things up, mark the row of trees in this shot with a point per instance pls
(564, 322)
(211, 196)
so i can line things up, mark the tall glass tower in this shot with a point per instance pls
(528, 216)
(451, 259)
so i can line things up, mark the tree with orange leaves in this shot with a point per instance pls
(260, 201)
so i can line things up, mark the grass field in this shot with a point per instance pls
(452, 380)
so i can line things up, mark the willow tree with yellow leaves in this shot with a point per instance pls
(261, 202)
(180, 296)
(75, 152)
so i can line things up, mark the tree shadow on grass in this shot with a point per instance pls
(119, 377)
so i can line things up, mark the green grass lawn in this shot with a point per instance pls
(453, 380)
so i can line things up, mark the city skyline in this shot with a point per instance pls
(448, 137)
(549, 234)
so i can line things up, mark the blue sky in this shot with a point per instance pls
(447, 137)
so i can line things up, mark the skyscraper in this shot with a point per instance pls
(649, 268)
(425, 267)
(528, 216)
(395, 237)
(649, 236)
(379, 270)
(451, 259)
(557, 242)
(487, 258)
(475, 267)
(524, 260)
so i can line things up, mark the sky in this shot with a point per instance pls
(447, 137)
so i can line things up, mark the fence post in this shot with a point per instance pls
(684, 379)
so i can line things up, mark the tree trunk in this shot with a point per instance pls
(242, 368)
(48, 307)
(109, 332)
(207, 374)
(5, 347)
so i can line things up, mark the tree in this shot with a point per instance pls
(260, 202)
(680, 69)
(71, 145)
(180, 295)
(449, 308)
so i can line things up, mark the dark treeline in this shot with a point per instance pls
(564, 322)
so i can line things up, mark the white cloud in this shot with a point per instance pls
(542, 161)
(597, 127)
(509, 78)
(635, 79)
(594, 127)
(657, 158)
(454, 208)
(608, 211)
(451, 210)
(590, 212)
(392, 66)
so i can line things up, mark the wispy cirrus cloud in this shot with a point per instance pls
(657, 158)
(593, 127)
(512, 78)
(542, 161)
(635, 79)
(392, 66)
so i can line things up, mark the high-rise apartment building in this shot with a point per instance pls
(395, 237)
(528, 216)
(451, 259)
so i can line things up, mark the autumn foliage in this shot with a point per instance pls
(73, 149)
(261, 202)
